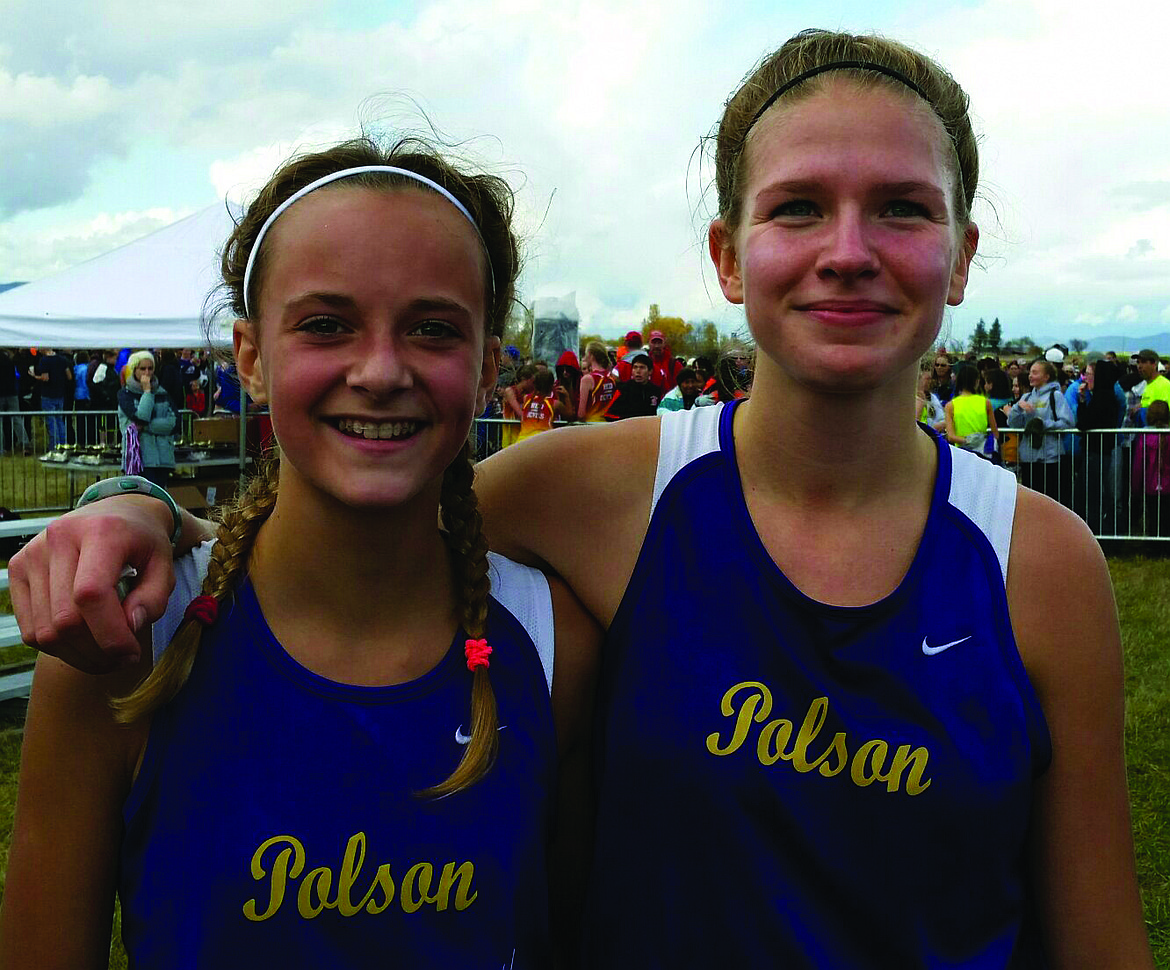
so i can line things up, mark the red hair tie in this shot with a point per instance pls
(477, 653)
(202, 609)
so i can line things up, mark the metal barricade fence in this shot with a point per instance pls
(1117, 480)
(47, 458)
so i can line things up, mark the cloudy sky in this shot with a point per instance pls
(120, 116)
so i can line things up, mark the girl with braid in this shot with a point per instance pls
(806, 757)
(346, 755)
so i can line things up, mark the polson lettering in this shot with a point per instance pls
(750, 703)
(280, 861)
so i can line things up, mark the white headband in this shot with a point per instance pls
(346, 173)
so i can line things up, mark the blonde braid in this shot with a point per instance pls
(238, 525)
(461, 519)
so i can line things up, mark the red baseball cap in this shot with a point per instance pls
(633, 335)
(657, 335)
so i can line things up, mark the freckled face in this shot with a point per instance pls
(848, 250)
(371, 350)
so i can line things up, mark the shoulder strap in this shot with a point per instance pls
(523, 592)
(684, 436)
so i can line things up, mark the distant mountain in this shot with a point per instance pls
(9, 286)
(1122, 345)
(1158, 341)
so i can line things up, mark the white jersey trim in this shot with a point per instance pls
(986, 495)
(684, 436)
(524, 592)
(521, 590)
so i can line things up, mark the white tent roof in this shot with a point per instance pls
(148, 293)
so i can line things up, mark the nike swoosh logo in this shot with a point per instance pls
(931, 651)
(461, 738)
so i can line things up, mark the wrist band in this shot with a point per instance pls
(133, 485)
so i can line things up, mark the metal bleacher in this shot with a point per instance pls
(16, 678)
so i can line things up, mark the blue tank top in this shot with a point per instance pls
(274, 820)
(785, 783)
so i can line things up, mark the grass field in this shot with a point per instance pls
(1143, 598)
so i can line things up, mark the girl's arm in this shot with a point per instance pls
(75, 772)
(583, 396)
(578, 647)
(992, 429)
(952, 434)
(1081, 847)
(145, 409)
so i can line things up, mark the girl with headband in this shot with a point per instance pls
(346, 755)
(805, 757)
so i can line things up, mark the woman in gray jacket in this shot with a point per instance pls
(1041, 410)
(145, 405)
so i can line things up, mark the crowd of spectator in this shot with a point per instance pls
(634, 379)
(1040, 417)
(53, 384)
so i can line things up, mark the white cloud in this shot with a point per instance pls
(1126, 314)
(1090, 319)
(36, 253)
(1164, 316)
(598, 104)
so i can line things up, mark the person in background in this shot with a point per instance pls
(12, 433)
(227, 388)
(1039, 412)
(626, 353)
(568, 385)
(598, 387)
(665, 367)
(684, 395)
(943, 384)
(1100, 406)
(639, 396)
(55, 374)
(1151, 469)
(706, 372)
(82, 430)
(969, 418)
(513, 401)
(1157, 387)
(541, 407)
(195, 399)
(146, 419)
(928, 408)
(170, 377)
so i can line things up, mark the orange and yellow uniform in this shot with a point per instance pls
(536, 415)
(601, 396)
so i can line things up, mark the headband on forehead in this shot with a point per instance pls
(347, 173)
(835, 66)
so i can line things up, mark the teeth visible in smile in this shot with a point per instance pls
(387, 430)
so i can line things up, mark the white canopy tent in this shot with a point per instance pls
(148, 293)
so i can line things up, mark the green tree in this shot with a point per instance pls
(705, 339)
(675, 330)
(518, 330)
(979, 337)
(994, 337)
(1078, 346)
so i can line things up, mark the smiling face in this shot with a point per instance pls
(848, 249)
(370, 346)
(1038, 375)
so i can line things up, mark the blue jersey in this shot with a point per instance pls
(785, 783)
(275, 820)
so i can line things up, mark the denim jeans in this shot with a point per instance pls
(55, 426)
(12, 434)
